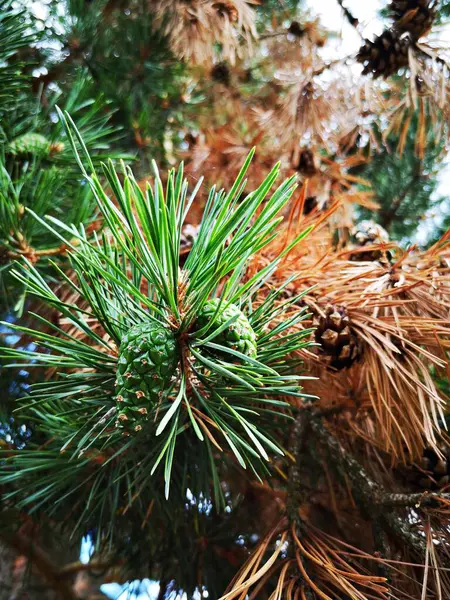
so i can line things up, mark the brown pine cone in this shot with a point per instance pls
(338, 343)
(307, 163)
(369, 233)
(433, 471)
(221, 73)
(385, 55)
(413, 16)
(296, 29)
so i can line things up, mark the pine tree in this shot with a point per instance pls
(231, 388)
(36, 166)
(405, 185)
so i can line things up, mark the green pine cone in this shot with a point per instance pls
(237, 336)
(30, 143)
(148, 358)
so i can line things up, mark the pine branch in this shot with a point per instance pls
(37, 173)
(41, 560)
(77, 567)
(388, 217)
(57, 71)
(296, 489)
(15, 34)
(177, 359)
(367, 493)
(297, 492)
(354, 22)
(419, 500)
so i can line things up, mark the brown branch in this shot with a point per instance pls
(364, 489)
(78, 566)
(297, 493)
(423, 499)
(367, 494)
(265, 36)
(354, 22)
(41, 560)
(296, 489)
(405, 535)
(34, 255)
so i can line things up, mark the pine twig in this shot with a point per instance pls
(296, 490)
(354, 22)
(422, 499)
(41, 560)
(367, 493)
(78, 566)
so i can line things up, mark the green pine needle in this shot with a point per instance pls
(219, 403)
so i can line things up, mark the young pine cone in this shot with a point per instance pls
(148, 358)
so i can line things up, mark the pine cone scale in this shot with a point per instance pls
(148, 358)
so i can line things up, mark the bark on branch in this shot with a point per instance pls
(41, 560)
(370, 497)
(295, 488)
(423, 499)
(77, 567)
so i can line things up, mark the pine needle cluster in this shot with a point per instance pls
(221, 397)
(36, 162)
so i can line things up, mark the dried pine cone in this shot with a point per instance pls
(413, 16)
(337, 340)
(307, 163)
(221, 73)
(433, 472)
(385, 55)
(296, 29)
(369, 233)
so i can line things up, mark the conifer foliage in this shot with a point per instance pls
(36, 163)
(158, 359)
(235, 386)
